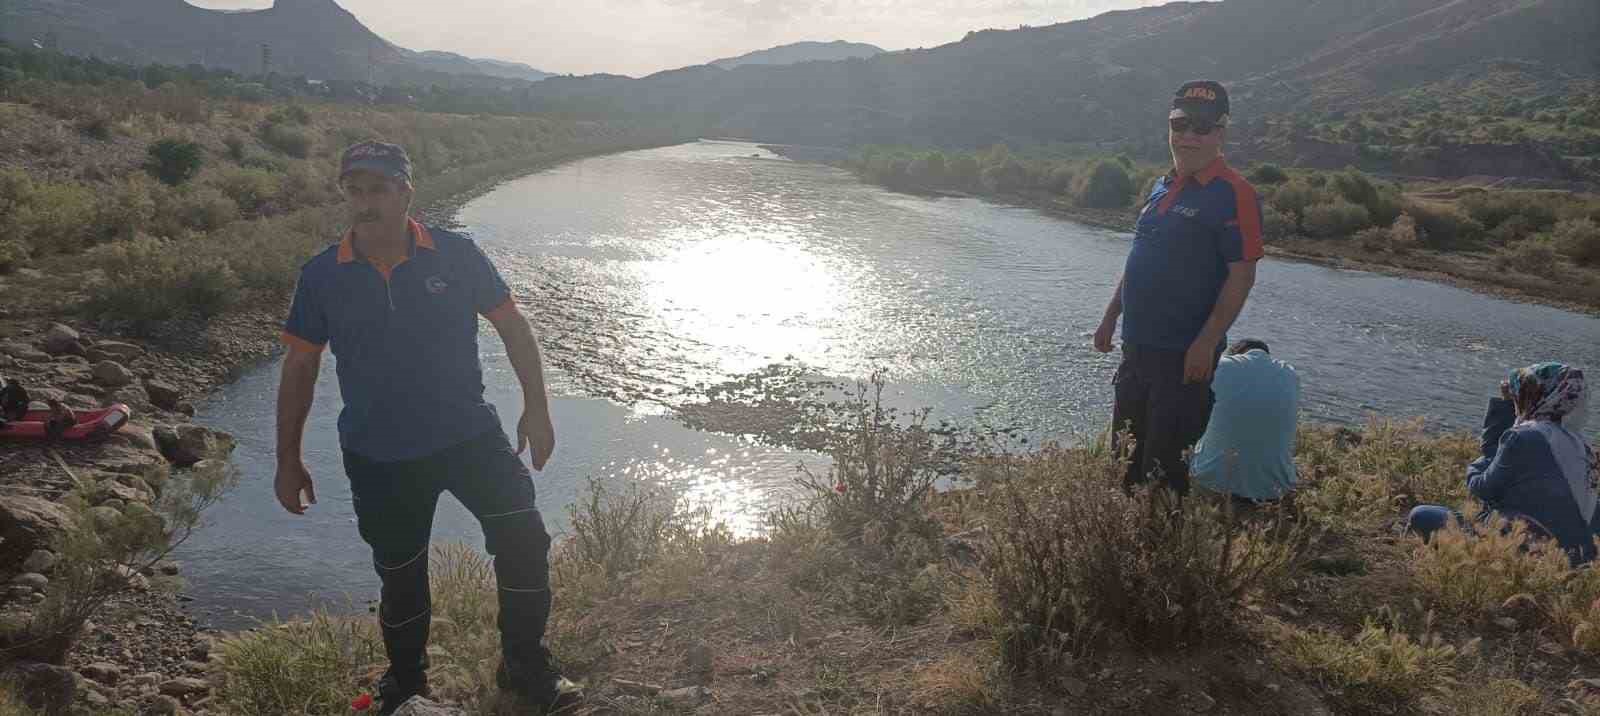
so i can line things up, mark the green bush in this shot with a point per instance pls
(248, 188)
(1443, 226)
(206, 209)
(1580, 239)
(1536, 211)
(97, 127)
(294, 142)
(236, 147)
(149, 279)
(292, 114)
(13, 255)
(1294, 197)
(1003, 178)
(1535, 257)
(1107, 185)
(1338, 219)
(128, 206)
(1268, 174)
(1277, 225)
(50, 217)
(174, 161)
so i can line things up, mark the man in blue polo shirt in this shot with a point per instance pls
(398, 304)
(1188, 274)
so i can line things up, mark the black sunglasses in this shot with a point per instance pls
(1198, 127)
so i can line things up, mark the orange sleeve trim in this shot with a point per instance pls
(296, 343)
(506, 309)
(1248, 214)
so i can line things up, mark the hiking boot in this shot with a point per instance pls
(537, 683)
(394, 690)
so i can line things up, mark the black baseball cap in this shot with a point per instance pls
(389, 160)
(1201, 99)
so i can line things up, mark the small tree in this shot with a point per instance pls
(174, 161)
(103, 549)
(1269, 174)
(1106, 186)
(1580, 239)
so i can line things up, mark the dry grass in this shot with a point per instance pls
(1378, 670)
(1475, 574)
(1350, 478)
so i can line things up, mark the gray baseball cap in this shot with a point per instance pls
(389, 160)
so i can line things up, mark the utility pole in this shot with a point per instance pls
(266, 59)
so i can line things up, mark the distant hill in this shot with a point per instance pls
(315, 38)
(799, 52)
(1300, 71)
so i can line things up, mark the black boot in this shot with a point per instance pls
(395, 689)
(536, 682)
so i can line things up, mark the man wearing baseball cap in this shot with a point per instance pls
(398, 304)
(1188, 274)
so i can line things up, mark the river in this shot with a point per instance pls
(649, 272)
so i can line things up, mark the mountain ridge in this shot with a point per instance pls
(316, 38)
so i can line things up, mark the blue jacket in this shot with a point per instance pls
(1524, 474)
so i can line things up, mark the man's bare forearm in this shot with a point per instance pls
(1114, 306)
(1235, 290)
(296, 390)
(526, 359)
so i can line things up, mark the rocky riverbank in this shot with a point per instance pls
(143, 651)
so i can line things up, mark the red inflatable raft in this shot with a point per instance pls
(92, 424)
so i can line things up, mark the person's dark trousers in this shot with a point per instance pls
(1164, 415)
(394, 505)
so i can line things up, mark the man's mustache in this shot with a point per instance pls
(368, 216)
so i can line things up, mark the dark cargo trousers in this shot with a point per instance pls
(1164, 415)
(394, 506)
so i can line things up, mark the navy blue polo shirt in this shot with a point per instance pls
(405, 338)
(1190, 229)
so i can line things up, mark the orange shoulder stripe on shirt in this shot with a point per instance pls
(506, 309)
(1248, 214)
(296, 343)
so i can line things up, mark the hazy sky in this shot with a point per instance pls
(637, 37)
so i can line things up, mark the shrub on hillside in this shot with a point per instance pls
(51, 217)
(1403, 233)
(292, 114)
(174, 161)
(1268, 174)
(1107, 185)
(1335, 220)
(206, 209)
(1277, 225)
(149, 279)
(1535, 257)
(292, 141)
(13, 255)
(1580, 239)
(1537, 210)
(97, 127)
(1071, 555)
(249, 188)
(237, 146)
(1443, 226)
(1294, 197)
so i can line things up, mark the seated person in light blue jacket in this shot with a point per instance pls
(1248, 448)
(1536, 465)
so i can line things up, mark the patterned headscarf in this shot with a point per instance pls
(1554, 391)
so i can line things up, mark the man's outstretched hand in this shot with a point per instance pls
(536, 431)
(292, 481)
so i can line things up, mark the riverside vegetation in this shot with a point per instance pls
(1542, 244)
(1036, 586)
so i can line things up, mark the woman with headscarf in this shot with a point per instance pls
(1536, 465)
